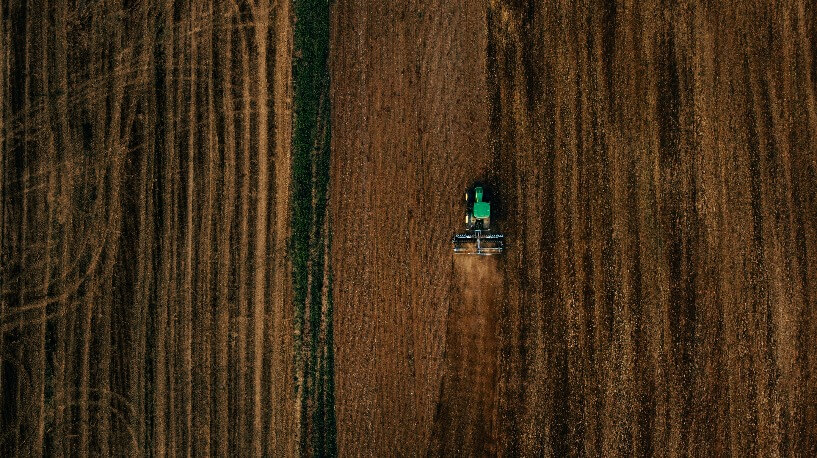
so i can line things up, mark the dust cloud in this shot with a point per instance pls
(466, 414)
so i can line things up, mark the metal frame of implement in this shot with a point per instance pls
(479, 242)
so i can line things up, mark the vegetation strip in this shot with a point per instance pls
(310, 238)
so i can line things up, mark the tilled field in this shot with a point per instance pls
(225, 228)
(410, 130)
(465, 417)
(655, 166)
(145, 188)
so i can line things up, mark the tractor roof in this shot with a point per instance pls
(482, 209)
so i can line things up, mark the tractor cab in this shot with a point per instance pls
(482, 210)
(477, 212)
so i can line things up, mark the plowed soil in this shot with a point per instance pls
(401, 132)
(174, 281)
(655, 167)
(466, 416)
(146, 305)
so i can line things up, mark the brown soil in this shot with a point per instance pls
(655, 165)
(466, 412)
(410, 130)
(145, 296)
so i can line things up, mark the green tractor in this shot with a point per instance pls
(479, 237)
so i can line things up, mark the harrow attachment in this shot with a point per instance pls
(478, 242)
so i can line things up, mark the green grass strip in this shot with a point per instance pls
(310, 169)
